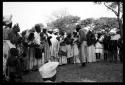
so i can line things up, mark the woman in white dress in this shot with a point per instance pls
(91, 49)
(54, 48)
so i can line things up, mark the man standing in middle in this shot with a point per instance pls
(83, 44)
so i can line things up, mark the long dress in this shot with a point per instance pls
(63, 57)
(75, 51)
(54, 48)
(31, 55)
(91, 55)
(37, 41)
(46, 52)
(91, 40)
(26, 58)
(69, 53)
(60, 51)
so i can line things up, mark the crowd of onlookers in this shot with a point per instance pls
(28, 50)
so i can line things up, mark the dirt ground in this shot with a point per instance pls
(93, 72)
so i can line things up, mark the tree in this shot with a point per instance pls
(86, 22)
(105, 22)
(117, 9)
(66, 23)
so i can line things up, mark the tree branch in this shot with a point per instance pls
(111, 9)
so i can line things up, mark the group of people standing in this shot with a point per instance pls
(35, 48)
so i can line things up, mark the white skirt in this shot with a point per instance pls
(75, 50)
(91, 54)
(99, 50)
(62, 58)
(69, 51)
(76, 59)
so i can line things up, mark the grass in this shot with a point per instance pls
(93, 72)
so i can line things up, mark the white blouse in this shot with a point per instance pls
(37, 38)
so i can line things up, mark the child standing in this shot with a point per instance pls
(69, 43)
(63, 55)
(13, 64)
(75, 49)
(99, 49)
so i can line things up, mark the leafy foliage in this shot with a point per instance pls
(86, 22)
(117, 9)
(105, 22)
(67, 23)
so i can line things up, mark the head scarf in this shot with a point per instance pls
(16, 27)
(38, 28)
(7, 21)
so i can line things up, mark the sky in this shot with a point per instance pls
(27, 14)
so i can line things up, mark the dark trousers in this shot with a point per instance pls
(114, 55)
(98, 56)
(110, 56)
(105, 56)
(12, 77)
(121, 55)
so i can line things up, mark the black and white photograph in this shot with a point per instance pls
(56, 42)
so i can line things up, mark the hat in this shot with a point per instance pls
(38, 28)
(16, 27)
(14, 51)
(48, 70)
(50, 30)
(48, 81)
(87, 28)
(55, 30)
(116, 37)
(113, 31)
(7, 19)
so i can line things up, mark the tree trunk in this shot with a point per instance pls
(119, 21)
(121, 28)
